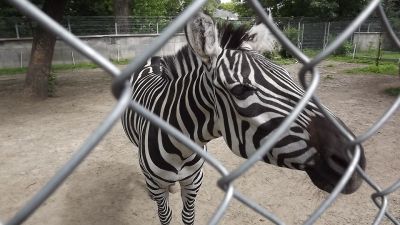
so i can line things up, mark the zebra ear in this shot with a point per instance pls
(262, 39)
(202, 36)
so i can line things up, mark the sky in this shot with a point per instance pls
(223, 1)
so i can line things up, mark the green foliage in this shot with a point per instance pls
(210, 7)
(61, 67)
(344, 49)
(54, 68)
(51, 84)
(385, 69)
(392, 9)
(270, 55)
(73, 8)
(393, 91)
(243, 9)
(149, 8)
(89, 8)
(121, 62)
(282, 61)
(311, 52)
(12, 71)
(277, 58)
(291, 33)
(326, 9)
(229, 6)
(6, 10)
(349, 59)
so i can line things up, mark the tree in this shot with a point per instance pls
(122, 9)
(90, 8)
(350, 8)
(167, 7)
(39, 69)
(392, 9)
(150, 8)
(327, 9)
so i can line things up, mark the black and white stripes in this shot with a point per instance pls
(207, 91)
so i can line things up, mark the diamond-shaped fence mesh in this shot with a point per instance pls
(121, 91)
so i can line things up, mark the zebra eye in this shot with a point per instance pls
(242, 91)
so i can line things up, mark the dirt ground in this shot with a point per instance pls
(108, 188)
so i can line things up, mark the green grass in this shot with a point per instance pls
(387, 69)
(12, 71)
(60, 67)
(367, 57)
(311, 52)
(55, 68)
(121, 62)
(282, 61)
(349, 59)
(384, 54)
(394, 91)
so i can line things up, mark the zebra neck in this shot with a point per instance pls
(191, 104)
(177, 89)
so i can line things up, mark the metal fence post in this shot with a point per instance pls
(354, 50)
(378, 56)
(73, 58)
(20, 59)
(298, 34)
(324, 41)
(17, 30)
(69, 24)
(70, 30)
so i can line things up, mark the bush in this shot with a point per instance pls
(51, 84)
(345, 49)
(270, 55)
(291, 33)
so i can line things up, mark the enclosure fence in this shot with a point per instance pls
(121, 90)
(368, 41)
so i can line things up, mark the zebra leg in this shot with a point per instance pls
(189, 189)
(160, 196)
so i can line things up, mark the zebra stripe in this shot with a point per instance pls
(206, 92)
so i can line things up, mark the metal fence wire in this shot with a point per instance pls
(122, 91)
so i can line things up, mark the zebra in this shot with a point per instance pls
(217, 85)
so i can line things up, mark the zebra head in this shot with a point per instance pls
(252, 96)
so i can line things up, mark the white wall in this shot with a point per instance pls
(16, 52)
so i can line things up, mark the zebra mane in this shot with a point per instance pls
(232, 36)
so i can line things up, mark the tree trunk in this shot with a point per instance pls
(122, 11)
(36, 82)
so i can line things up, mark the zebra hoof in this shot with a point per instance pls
(173, 188)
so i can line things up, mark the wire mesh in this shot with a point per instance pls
(310, 34)
(121, 91)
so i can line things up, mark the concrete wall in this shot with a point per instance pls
(16, 52)
(366, 40)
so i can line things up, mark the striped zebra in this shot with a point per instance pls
(218, 86)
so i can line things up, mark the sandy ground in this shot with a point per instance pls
(108, 188)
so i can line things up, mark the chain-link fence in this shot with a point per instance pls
(122, 92)
(17, 27)
(369, 41)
